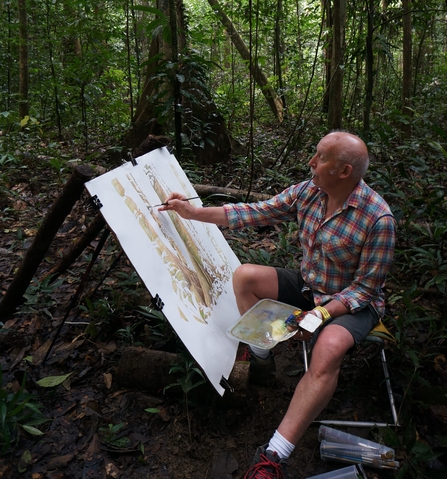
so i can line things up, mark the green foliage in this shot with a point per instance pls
(190, 375)
(18, 410)
(110, 436)
(410, 176)
(87, 75)
(38, 296)
(416, 452)
(189, 378)
(157, 329)
(127, 334)
(190, 75)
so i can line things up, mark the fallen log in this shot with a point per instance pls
(148, 370)
(229, 195)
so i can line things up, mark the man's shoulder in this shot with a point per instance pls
(372, 200)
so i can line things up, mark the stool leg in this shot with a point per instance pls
(388, 386)
(361, 423)
(306, 364)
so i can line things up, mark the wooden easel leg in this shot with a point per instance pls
(43, 239)
(75, 297)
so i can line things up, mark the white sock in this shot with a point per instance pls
(261, 353)
(281, 445)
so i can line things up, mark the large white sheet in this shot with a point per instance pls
(188, 264)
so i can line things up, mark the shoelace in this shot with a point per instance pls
(260, 471)
(243, 355)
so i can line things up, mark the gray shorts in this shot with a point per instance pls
(290, 285)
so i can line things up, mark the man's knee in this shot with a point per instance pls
(250, 273)
(331, 346)
(244, 273)
(259, 280)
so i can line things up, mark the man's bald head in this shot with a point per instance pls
(349, 149)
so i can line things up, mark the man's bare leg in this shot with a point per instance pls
(316, 387)
(252, 282)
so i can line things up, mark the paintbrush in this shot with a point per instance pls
(164, 204)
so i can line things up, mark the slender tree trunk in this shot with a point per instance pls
(129, 54)
(53, 73)
(335, 114)
(9, 56)
(419, 58)
(407, 67)
(137, 49)
(279, 51)
(23, 61)
(327, 18)
(369, 67)
(175, 82)
(299, 41)
(261, 80)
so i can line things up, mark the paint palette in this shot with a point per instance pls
(255, 326)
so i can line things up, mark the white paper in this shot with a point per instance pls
(189, 264)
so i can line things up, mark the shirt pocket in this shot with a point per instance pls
(343, 251)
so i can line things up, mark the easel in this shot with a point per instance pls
(156, 301)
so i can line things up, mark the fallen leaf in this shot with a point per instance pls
(108, 380)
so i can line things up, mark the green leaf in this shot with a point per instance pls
(24, 121)
(52, 381)
(152, 410)
(153, 10)
(33, 430)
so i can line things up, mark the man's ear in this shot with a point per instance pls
(346, 171)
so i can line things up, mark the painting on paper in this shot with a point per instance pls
(188, 264)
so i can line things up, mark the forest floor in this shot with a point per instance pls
(98, 428)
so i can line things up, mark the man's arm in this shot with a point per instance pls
(175, 202)
(374, 263)
(336, 308)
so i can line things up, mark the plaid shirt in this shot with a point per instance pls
(345, 257)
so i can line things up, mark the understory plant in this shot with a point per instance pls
(189, 377)
(18, 412)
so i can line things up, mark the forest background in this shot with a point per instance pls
(241, 91)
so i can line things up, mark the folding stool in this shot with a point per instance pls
(377, 336)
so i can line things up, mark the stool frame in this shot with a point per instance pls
(332, 422)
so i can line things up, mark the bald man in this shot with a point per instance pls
(347, 236)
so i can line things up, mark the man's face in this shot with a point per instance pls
(323, 165)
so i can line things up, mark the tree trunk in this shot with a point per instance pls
(174, 18)
(407, 65)
(279, 51)
(327, 18)
(197, 119)
(261, 80)
(53, 72)
(335, 114)
(369, 67)
(23, 61)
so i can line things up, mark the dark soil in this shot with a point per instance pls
(214, 438)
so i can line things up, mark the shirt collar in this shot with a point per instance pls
(354, 199)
